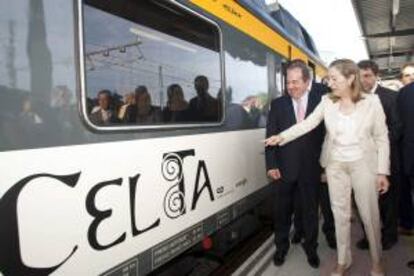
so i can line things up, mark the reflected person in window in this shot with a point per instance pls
(203, 107)
(236, 116)
(103, 114)
(253, 107)
(28, 115)
(177, 107)
(142, 112)
(129, 100)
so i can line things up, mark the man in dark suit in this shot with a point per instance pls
(405, 104)
(295, 167)
(388, 202)
(406, 200)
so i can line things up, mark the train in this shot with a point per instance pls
(132, 130)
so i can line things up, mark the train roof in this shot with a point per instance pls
(388, 29)
(278, 18)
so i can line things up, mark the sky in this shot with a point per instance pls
(333, 26)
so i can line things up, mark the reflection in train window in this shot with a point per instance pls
(253, 82)
(150, 64)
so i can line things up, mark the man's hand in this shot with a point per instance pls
(274, 174)
(382, 184)
(273, 140)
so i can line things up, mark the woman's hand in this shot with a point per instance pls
(273, 140)
(382, 184)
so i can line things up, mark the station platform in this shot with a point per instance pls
(260, 263)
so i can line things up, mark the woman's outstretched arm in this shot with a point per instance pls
(295, 131)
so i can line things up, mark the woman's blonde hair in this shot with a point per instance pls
(347, 68)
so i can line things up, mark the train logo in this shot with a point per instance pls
(172, 172)
(174, 203)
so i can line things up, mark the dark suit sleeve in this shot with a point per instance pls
(401, 98)
(395, 122)
(320, 89)
(391, 111)
(272, 129)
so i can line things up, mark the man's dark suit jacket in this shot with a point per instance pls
(406, 111)
(388, 100)
(303, 153)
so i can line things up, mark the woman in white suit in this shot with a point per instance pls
(355, 155)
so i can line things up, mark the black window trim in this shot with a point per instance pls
(81, 78)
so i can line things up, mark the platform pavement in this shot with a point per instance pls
(260, 263)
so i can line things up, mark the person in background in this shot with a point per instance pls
(406, 206)
(388, 202)
(355, 155)
(405, 103)
(407, 73)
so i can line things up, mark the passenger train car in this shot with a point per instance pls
(130, 130)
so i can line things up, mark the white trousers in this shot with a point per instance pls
(343, 177)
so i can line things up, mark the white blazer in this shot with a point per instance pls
(371, 130)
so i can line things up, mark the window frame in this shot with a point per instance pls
(81, 78)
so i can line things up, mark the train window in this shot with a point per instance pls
(312, 70)
(250, 67)
(150, 64)
(284, 77)
(280, 80)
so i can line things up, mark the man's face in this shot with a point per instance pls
(407, 75)
(201, 86)
(103, 101)
(296, 86)
(368, 79)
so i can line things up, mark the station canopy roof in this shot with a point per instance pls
(388, 27)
